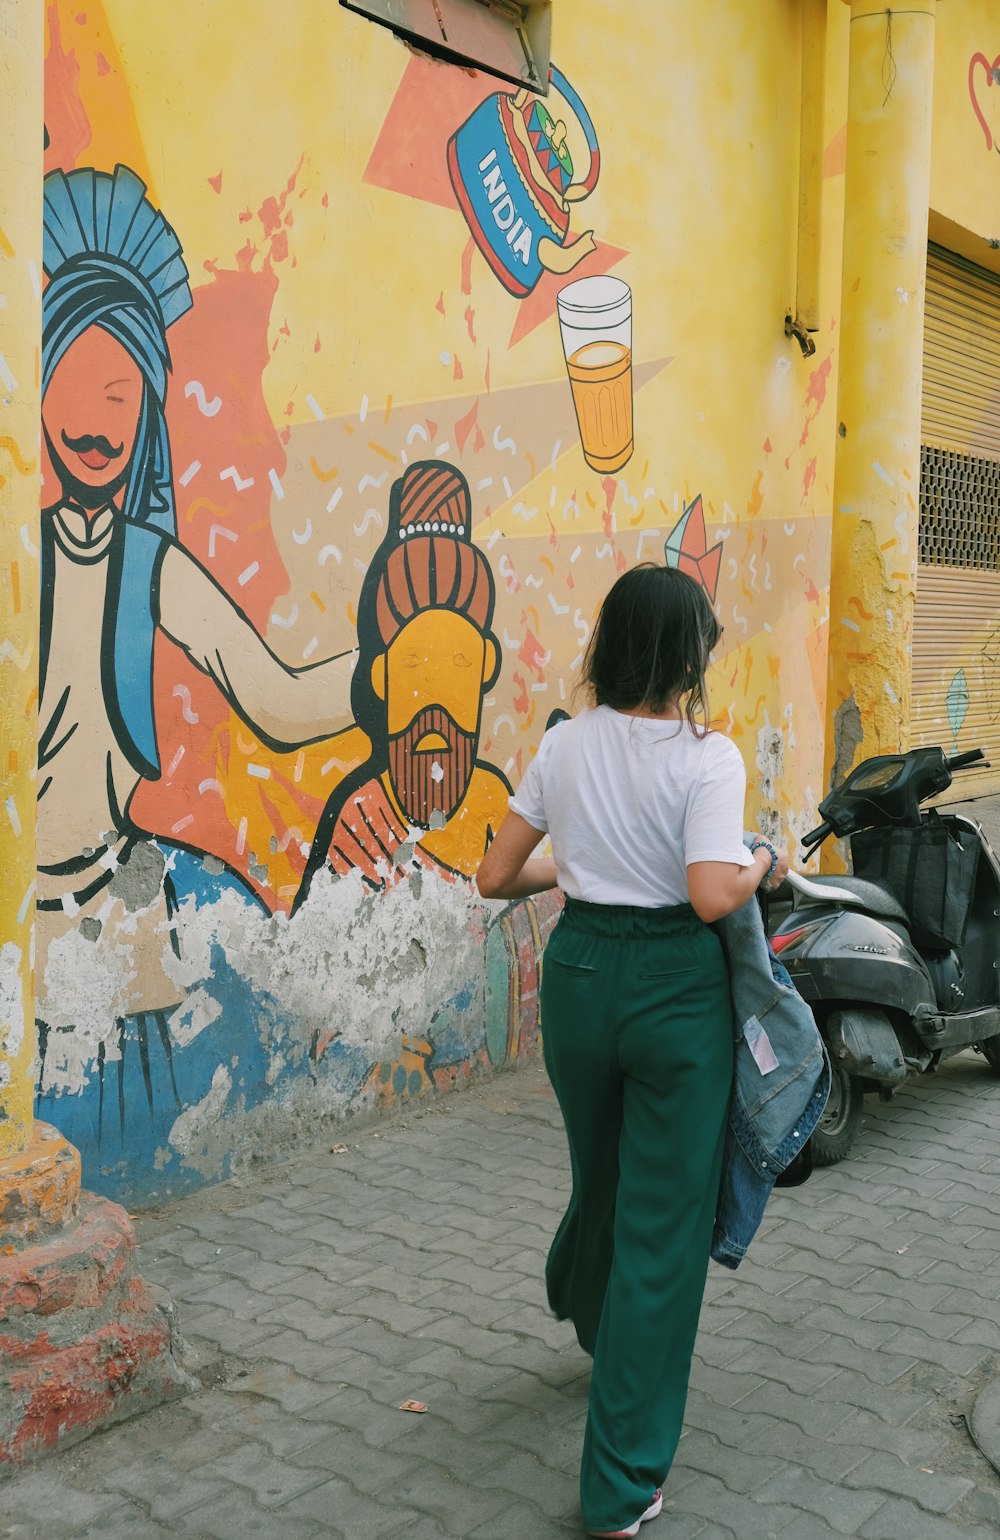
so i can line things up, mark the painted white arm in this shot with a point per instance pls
(285, 706)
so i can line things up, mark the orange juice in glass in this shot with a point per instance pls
(595, 319)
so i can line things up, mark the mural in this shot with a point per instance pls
(346, 437)
(511, 166)
(427, 657)
(984, 73)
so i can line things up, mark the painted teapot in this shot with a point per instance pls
(512, 170)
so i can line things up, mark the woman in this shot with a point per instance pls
(644, 809)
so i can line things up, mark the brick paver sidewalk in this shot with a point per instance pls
(832, 1373)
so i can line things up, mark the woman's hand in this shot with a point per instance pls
(781, 870)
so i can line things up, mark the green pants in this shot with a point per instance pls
(637, 1031)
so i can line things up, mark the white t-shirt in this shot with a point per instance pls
(629, 803)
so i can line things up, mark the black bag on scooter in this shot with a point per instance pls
(930, 870)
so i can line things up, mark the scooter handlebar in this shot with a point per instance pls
(818, 835)
(959, 761)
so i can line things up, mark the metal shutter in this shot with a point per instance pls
(956, 630)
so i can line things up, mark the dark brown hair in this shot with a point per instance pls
(651, 643)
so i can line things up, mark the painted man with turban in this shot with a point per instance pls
(113, 572)
(426, 658)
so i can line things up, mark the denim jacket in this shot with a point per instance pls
(781, 1081)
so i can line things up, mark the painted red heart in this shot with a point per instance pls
(992, 76)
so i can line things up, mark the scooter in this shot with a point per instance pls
(900, 962)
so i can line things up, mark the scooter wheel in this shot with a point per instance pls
(837, 1130)
(991, 1053)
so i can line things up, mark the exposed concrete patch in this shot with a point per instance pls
(848, 735)
(138, 881)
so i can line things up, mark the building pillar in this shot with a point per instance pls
(876, 500)
(21, 132)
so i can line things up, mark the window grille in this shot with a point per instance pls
(959, 510)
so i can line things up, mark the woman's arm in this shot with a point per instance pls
(505, 870)
(286, 707)
(717, 888)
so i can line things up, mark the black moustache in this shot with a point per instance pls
(89, 441)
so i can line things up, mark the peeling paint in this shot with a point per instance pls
(11, 1000)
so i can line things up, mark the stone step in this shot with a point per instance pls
(74, 1268)
(52, 1397)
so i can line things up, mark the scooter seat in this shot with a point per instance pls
(872, 897)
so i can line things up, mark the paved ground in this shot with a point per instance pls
(833, 1371)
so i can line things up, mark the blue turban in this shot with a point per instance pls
(114, 262)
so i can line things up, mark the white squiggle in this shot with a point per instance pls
(532, 581)
(558, 609)
(566, 508)
(285, 621)
(500, 444)
(306, 534)
(371, 481)
(741, 620)
(372, 515)
(294, 833)
(503, 720)
(901, 524)
(215, 532)
(513, 643)
(206, 408)
(767, 577)
(232, 474)
(211, 784)
(481, 486)
(789, 528)
(8, 650)
(507, 570)
(800, 558)
(607, 549)
(26, 541)
(752, 566)
(418, 431)
(582, 627)
(633, 502)
(326, 553)
(183, 694)
(733, 569)
(525, 513)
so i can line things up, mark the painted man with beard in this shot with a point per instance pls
(426, 658)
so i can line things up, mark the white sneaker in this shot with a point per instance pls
(632, 1529)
